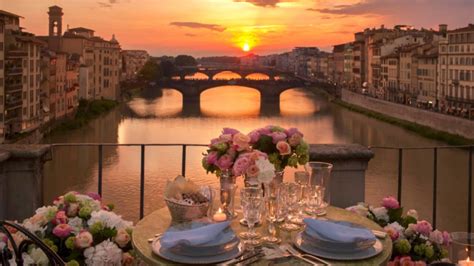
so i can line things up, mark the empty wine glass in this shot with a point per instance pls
(302, 179)
(251, 201)
(271, 204)
(290, 197)
(318, 197)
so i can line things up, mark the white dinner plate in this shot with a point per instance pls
(376, 249)
(168, 255)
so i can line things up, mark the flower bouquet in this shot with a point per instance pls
(285, 147)
(224, 150)
(255, 166)
(414, 241)
(81, 230)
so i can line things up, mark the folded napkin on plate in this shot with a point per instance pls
(337, 232)
(193, 237)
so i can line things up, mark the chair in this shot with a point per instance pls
(32, 239)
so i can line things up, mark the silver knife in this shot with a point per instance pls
(243, 257)
(251, 260)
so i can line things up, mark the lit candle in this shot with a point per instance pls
(467, 262)
(219, 216)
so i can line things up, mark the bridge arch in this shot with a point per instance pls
(197, 76)
(226, 75)
(257, 76)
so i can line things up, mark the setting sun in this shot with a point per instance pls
(246, 47)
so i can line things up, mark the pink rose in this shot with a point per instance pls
(423, 227)
(392, 232)
(72, 209)
(254, 136)
(278, 136)
(60, 218)
(225, 137)
(127, 259)
(94, 196)
(390, 203)
(211, 158)
(83, 240)
(122, 238)
(283, 147)
(62, 230)
(253, 171)
(265, 130)
(215, 141)
(229, 131)
(446, 238)
(241, 165)
(295, 139)
(241, 141)
(224, 162)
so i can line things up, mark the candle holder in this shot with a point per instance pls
(462, 248)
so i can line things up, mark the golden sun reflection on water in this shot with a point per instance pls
(159, 107)
(295, 102)
(230, 101)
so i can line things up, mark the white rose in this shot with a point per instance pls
(411, 230)
(266, 170)
(122, 238)
(359, 209)
(381, 213)
(413, 213)
(38, 256)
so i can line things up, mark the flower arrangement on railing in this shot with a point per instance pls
(81, 230)
(283, 147)
(415, 242)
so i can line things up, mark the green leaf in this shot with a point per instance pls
(395, 215)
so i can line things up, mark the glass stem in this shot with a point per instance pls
(251, 229)
(271, 228)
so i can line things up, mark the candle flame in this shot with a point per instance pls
(219, 211)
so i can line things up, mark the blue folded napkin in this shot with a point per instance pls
(337, 232)
(193, 237)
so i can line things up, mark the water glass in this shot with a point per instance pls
(290, 193)
(319, 196)
(271, 204)
(302, 179)
(251, 202)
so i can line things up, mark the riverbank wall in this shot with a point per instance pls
(456, 126)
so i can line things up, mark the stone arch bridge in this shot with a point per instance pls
(269, 90)
(242, 72)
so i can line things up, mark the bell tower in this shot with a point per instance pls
(55, 21)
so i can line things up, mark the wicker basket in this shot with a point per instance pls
(185, 213)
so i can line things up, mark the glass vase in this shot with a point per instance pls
(227, 193)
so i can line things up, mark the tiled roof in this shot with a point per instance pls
(8, 14)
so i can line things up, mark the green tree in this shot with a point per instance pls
(185, 60)
(168, 68)
(151, 71)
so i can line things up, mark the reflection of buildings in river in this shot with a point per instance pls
(76, 167)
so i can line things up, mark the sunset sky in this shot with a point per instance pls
(218, 27)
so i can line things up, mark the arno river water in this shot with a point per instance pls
(159, 120)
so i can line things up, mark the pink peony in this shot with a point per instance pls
(225, 162)
(95, 196)
(265, 130)
(241, 141)
(436, 237)
(241, 165)
(83, 240)
(423, 227)
(292, 131)
(62, 230)
(446, 238)
(253, 171)
(392, 232)
(278, 136)
(122, 238)
(211, 158)
(229, 131)
(60, 218)
(254, 136)
(390, 203)
(225, 137)
(283, 147)
(405, 261)
(215, 141)
(295, 139)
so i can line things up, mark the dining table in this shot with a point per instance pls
(160, 220)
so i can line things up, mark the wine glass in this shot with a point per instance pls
(251, 202)
(290, 197)
(302, 179)
(319, 195)
(272, 206)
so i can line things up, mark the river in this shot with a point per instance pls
(160, 120)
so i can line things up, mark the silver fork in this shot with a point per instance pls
(306, 257)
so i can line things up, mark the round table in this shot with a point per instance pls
(159, 221)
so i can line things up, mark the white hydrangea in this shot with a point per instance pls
(104, 254)
(360, 209)
(411, 230)
(34, 227)
(381, 213)
(266, 170)
(47, 211)
(76, 224)
(38, 256)
(397, 227)
(109, 219)
(27, 260)
(88, 201)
